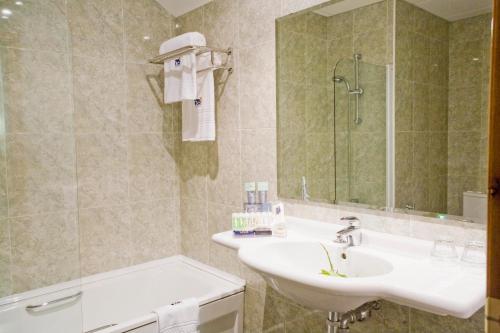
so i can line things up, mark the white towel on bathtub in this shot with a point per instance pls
(179, 317)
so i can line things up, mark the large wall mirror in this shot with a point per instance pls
(384, 104)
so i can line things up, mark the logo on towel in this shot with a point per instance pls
(177, 62)
(176, 302)
(197, 102)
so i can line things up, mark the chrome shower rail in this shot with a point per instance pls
(160, 59)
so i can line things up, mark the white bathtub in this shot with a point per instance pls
(124, 298)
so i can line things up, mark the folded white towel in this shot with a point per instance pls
(180, 73)
(179, 317)
(178, 42)
(198, 116)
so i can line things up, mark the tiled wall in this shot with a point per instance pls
(469, 58)
(212, 173)
(309, 47)
(442, 77)
(305, 108)
(421, 92)
(88, 178)
(350, 33)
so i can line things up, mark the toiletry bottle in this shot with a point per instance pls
(279, 223)
(262, 189)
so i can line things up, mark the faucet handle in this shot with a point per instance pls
(353, 220)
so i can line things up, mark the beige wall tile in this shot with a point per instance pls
(37, 90)
(37, 25)
(96, 28)
(151, 167)
(194, 230)
(99, 95)
(146, 26)
(102, 170)
(146, 111)
(5, 259)
(156, 230)
(41, 173)
(256, 21)
(44, 250)
(221, 23)
(258, 86)
(105, 235)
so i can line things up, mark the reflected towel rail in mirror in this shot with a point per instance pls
(160, 59)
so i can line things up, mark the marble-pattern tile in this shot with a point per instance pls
(102, 170)
(341, 25)
(5, 259)
(155, 230)
(4, 208)
(151, 167)
(420, 114)
(145, 106)
(403, 105)
(193, 171)
(424, 322)
(191, 21)
(256, 21)
(37, 90)
(258, 86)
(41, 172)
(146, 26)
(105, 234)
(99, 95)
(463, 155)
(220, 19)
(372, 45)
(195, 239)
(44, 250)
(224, 175)
(96, 29)
(371, 17)
(36, 25)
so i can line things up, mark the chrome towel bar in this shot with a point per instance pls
(160, 59)
(55, 301)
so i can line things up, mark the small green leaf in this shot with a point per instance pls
(325, 272)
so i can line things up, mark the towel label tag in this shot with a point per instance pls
(197, 102)
(177, 62)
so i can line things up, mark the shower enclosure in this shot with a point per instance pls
(360, 131)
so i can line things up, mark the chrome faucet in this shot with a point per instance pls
(351, 235)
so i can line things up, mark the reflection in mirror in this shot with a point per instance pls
(332, 103)
(359, 97)
(442, 82)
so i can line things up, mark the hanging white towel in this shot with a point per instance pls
(180, 78)
(180, 73)
(198, 116)
(179, 317)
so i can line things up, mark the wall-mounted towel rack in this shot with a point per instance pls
(160, 59)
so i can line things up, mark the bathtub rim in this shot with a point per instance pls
(70, 287)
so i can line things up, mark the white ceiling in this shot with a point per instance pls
(453, 10)
(180, 7)
(450, 10)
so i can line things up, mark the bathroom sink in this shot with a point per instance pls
(383, 266)
(321, 275)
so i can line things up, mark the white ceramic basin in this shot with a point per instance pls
(301, 270)
(394, 268)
